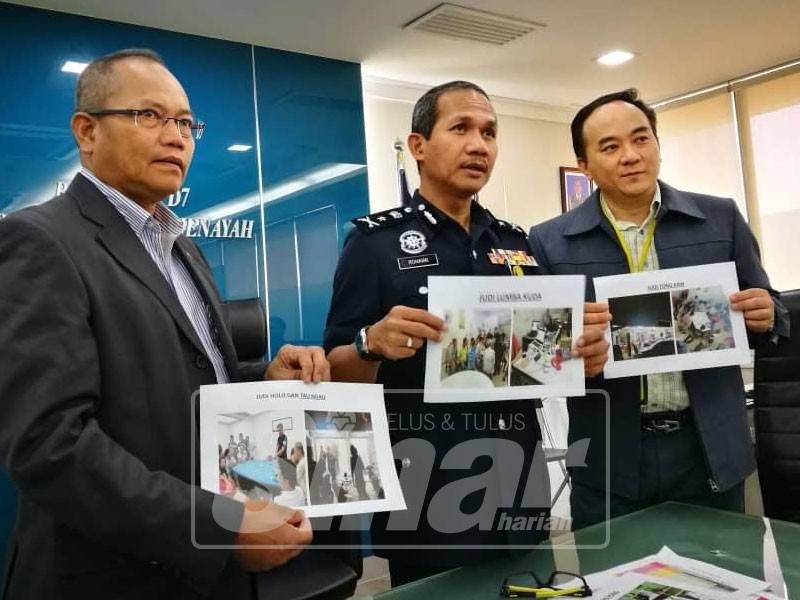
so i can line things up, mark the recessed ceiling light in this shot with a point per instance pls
(617, 57)
(239, 148)
(72, 66)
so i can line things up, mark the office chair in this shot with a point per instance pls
(777, 419)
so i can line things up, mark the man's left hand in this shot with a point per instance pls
(299, 362)
(592, 345)
(758, 308)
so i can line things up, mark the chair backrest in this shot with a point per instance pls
(777, 419)
(248, 324)
(8, 511)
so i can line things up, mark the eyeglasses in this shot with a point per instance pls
(150, 118)
(560, 583)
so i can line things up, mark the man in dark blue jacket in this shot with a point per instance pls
(672, 436)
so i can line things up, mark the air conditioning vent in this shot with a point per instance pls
(471, 24)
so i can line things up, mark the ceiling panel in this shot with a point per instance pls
(681, 45)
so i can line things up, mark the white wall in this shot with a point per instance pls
(266, 438)
(699, 150)
(259, 429)
(531, 151)
(534, 142)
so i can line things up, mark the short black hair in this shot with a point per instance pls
(426, 109)
(631, 96)
(288, 471)
(94, 83)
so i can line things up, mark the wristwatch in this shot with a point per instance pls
(362, 348)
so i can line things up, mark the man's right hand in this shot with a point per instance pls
(266, 524)
(390, 336)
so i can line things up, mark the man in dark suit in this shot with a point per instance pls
(111, 321)
(673, 436)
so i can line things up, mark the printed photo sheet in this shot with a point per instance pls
(673, 320)
(323, 448)
(506, 338)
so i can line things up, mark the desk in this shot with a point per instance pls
(729, 540)
(260, 472)
(543, 372)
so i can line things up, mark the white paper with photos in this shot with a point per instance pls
(506, 338)
(323, 448)
(673, 320)
(642, 587)
(682, 572)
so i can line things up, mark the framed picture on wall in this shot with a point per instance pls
(575, 187)
(285, 423)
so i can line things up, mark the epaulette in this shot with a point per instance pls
(384, 219)
(511, 227)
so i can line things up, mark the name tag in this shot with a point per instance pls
(416, 262)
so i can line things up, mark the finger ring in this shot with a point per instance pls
(410, 342)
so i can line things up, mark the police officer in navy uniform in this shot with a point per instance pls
(378, 325)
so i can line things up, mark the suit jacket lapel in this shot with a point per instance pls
(677, 211)
(198, 269)
(121, 242)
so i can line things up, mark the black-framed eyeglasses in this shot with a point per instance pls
(150, 118)
(559, 584)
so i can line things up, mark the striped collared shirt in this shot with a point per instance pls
(665, 391)
(158, 233)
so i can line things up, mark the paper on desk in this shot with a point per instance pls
(643, 587)
(635, 586)
(681, 572)
(340, 428)
(773, 573)
(507, 338)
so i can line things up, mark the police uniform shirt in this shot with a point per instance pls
(386, 262)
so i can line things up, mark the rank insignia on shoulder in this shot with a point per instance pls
(381, 220)
(512, 227)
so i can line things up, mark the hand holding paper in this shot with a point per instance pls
(758, 308)
(592, 345)
(390, 336)
(299, 362)
(510, 338)
(679, 319)
(337, 455)
(266, 524)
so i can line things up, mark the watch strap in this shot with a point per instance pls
(362, 347)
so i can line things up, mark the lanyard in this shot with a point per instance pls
(634, 267)
(648, 241)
